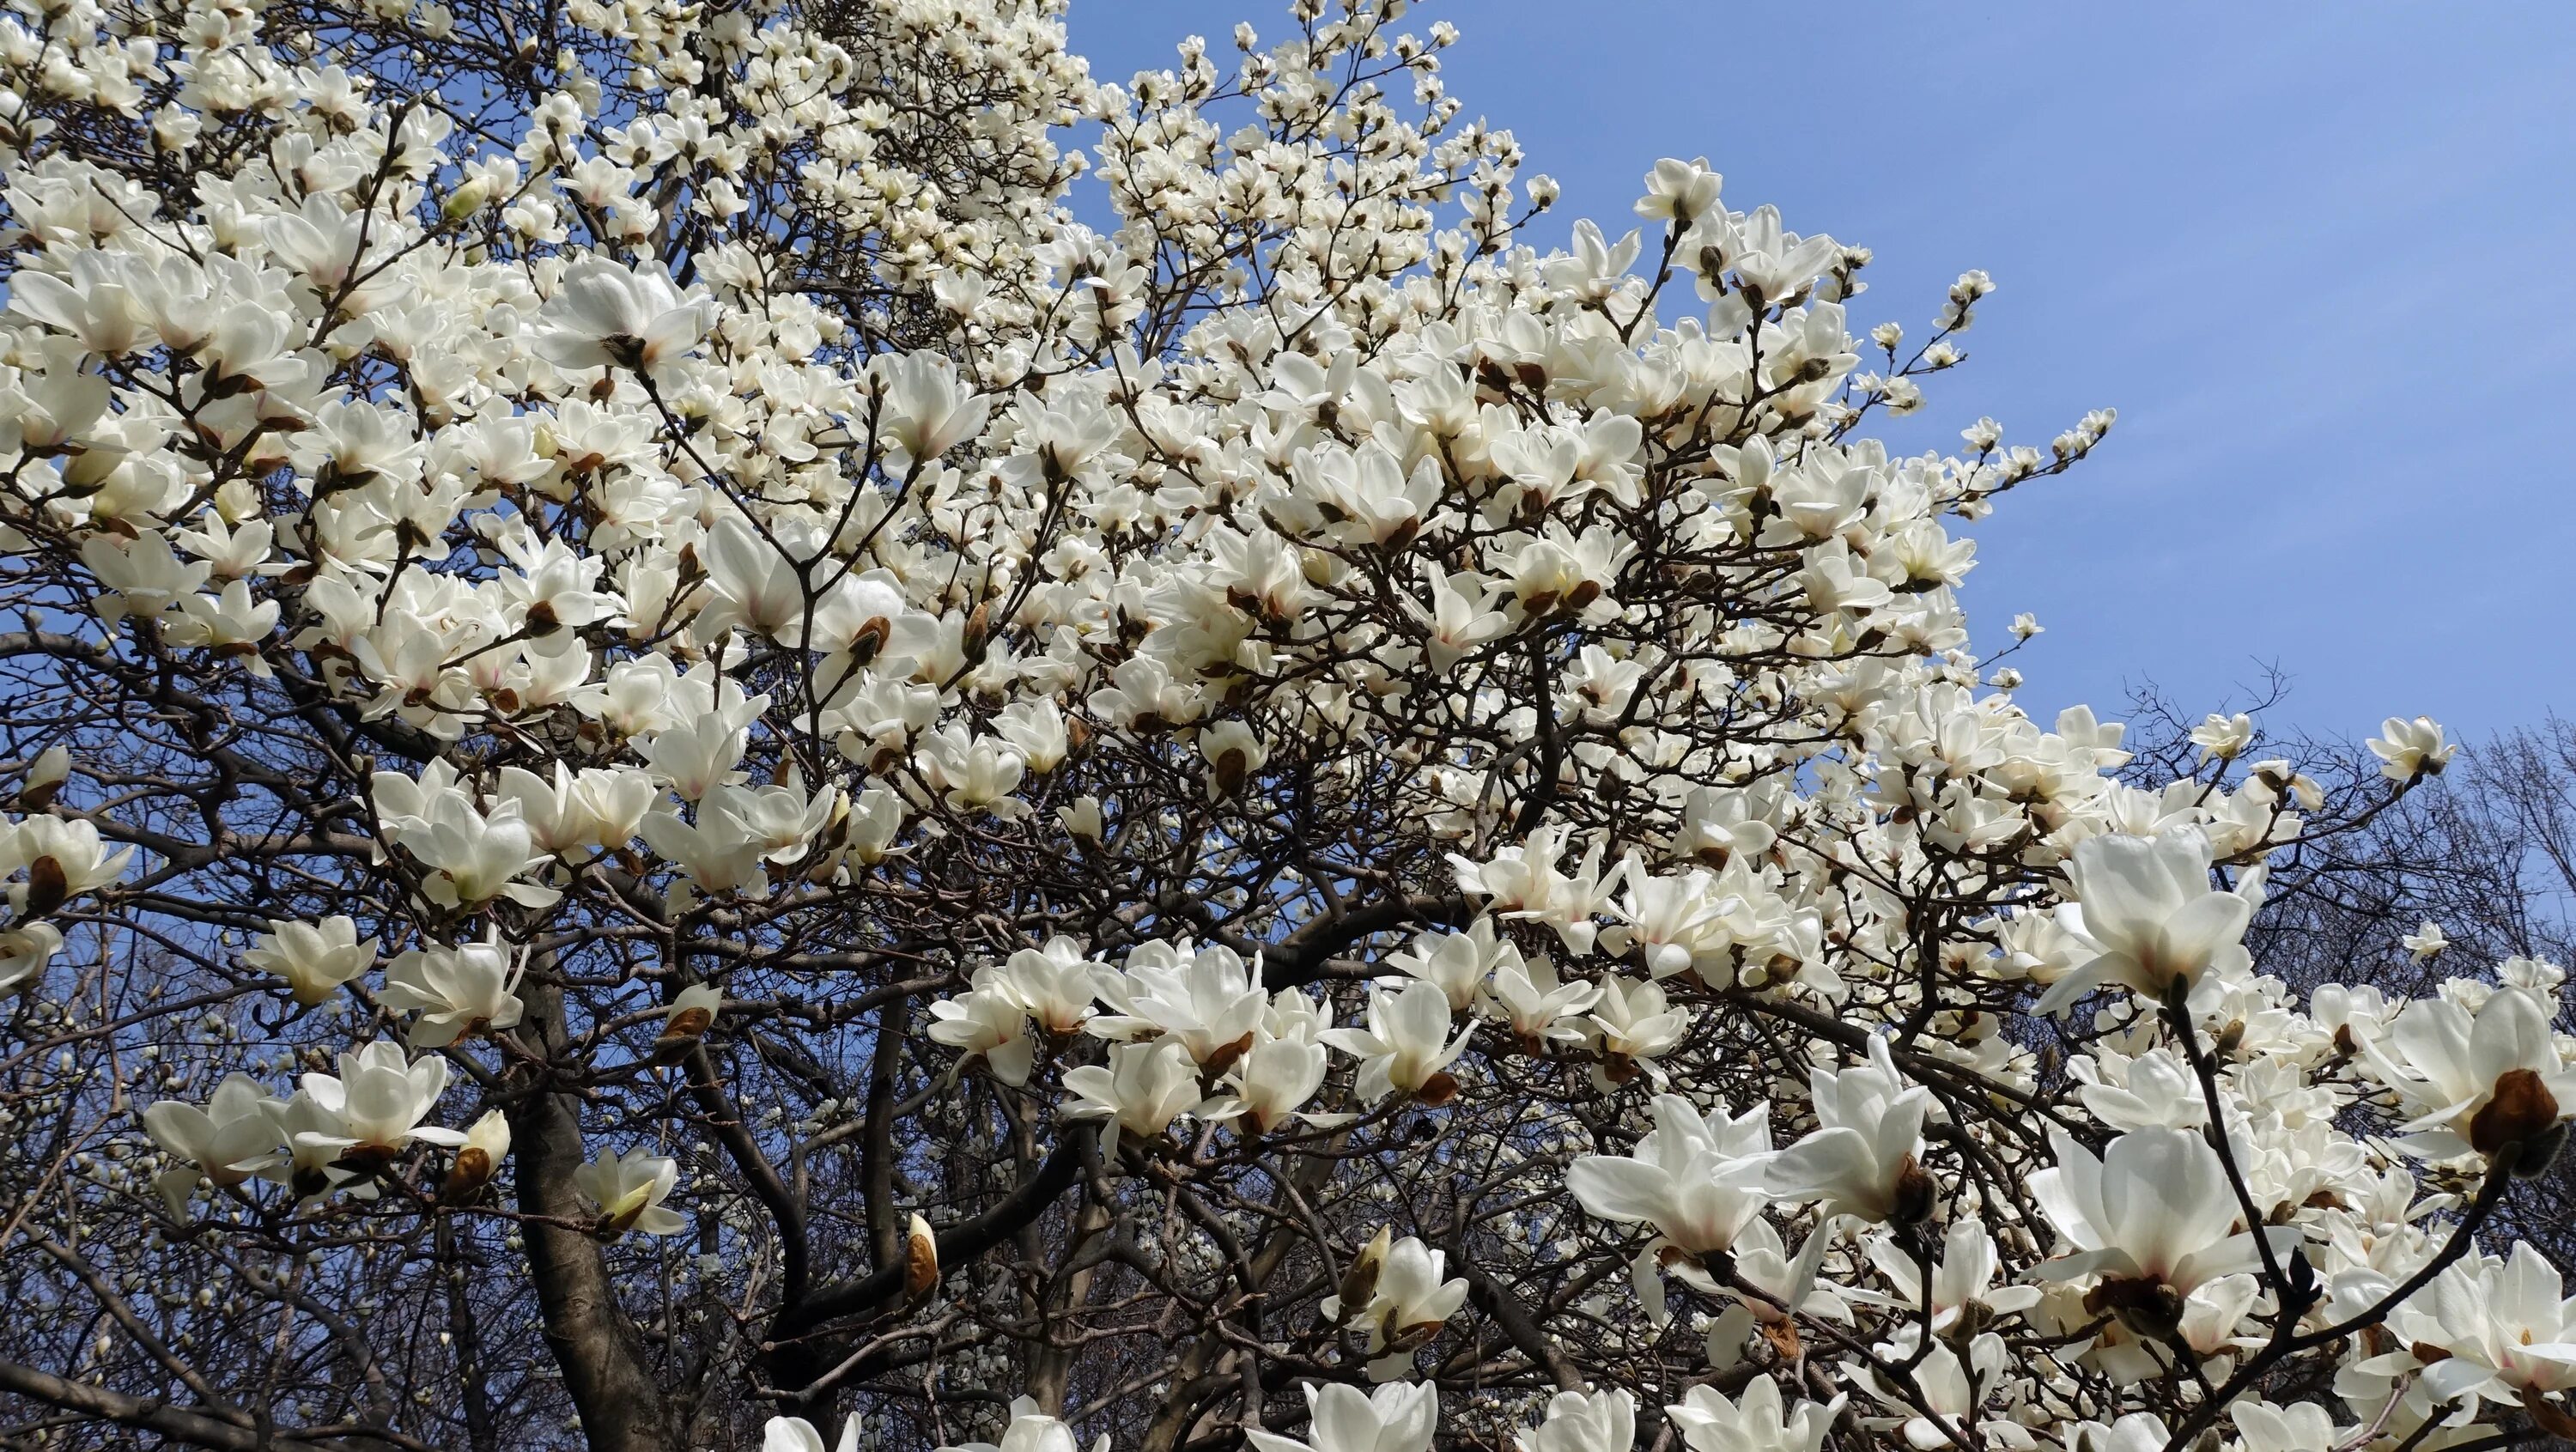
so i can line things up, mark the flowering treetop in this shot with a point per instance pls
(686, 768)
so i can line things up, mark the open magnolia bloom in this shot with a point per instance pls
(1698, 1180)
(2490, 1327)
(1776, 1293)
(2153, 1218)
(1946, 1404)
(1276, 1077)
(1755, 1421)
(313, 958)
(457, 991)
(1206, 1001)
(1602, 1421)
(1963, 1277)
(795, 1434)
(629, 1190)
(991, 1022)
(603, 315)
(2146, 906)
(1394, 1291)
(1406, 1046)
(1055, 984)
(231, 1139)
(1861, 1158)
(377, 1103)
(1397, 1417)
(1141, 1091)
(2481, 1081)
(1031, 1430)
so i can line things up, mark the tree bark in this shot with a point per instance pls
(593, 1340)
(176, 1423)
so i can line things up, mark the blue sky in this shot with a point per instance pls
(2317, 256)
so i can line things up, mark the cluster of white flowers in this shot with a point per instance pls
(1176, 823)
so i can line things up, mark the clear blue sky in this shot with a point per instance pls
(2317, 256)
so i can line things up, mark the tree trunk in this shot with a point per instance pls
(594, 1342)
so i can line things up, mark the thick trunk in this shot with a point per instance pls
(593, 1341)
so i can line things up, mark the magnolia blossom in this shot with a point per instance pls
(457, 991)
(313, 958)
(629, 1189)
(990, 1022)
(1861, 1158)
(2492, 1327)
(1397, 1417)
(1755, 1421)
(1206, 1000)
(62, 860)
(1602, 1421)
(1539, 1007)
(1031, 1430)
(1950, 1387)
(795, 1434)
(2426, 942)
(1394, 1291)
(1963, 1277)
(487, 1143)
(234, 1137)
(1055, 984)
(1141, 1091)
(2147, 907)
(603, 315)
(2409, 750)
(1634, 1024)
(2153, 1216)
(1406, 1046)
(378, 1101)
(1276, 1077)
(2477, 1082)
(1698, 1180)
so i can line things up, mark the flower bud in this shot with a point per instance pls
(686, 1023)
(487, 1143)
(920, 1262)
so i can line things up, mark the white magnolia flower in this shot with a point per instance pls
(2154, 1214)
(1962, 1277)
(457, 991)
(1394, 1290)
(378, 1102)
(1406, 1046)
(1755, 1421)
(629, 1189)
(2411, 749)
(233, 1138)
(1584, 1421)
(1276, 1077)
(1206, 999)
(1030, 1430)
(1141, 1091)
(2492, 1327)
(2223, 738)
(2147, 907)
(1699, 1181)
(313, 958)
(62, 859)
(1861, 1160)
(604, 315)
(2425, 943)
(2476, 1082)
(1397, 1417)
(795, 1434)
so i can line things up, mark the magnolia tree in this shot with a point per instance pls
(686, 771)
